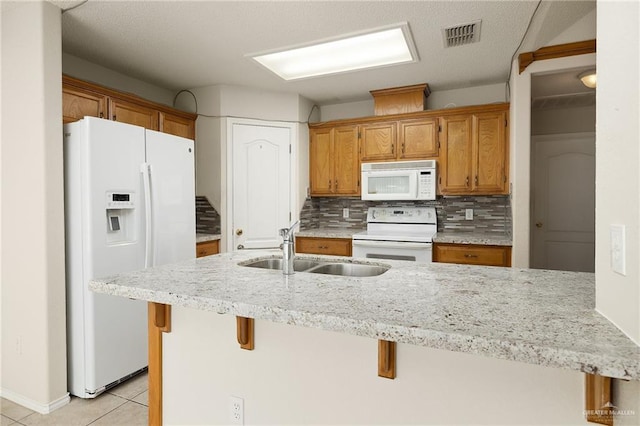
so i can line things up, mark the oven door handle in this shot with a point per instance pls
(391, 244)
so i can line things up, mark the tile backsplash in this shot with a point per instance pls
(207, 218)
(491, 214)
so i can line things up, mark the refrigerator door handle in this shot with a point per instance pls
(144, 169)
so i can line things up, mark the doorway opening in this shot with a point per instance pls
(562, 192)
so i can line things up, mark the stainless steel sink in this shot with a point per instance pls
(305, 265)
(299, 265)
(349, 269)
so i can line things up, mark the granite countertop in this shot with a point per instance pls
(203, 238)
(533, 316)
(473, 237)
(329, 232)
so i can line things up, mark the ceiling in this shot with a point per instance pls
(184, 44)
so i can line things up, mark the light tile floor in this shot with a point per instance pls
(126, 404)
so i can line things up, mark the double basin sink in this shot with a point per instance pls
(317, 267)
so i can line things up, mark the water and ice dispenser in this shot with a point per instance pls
(121, 217)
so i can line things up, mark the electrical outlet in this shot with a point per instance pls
(618, 249)
(345, 213)
(468, 214)
(236, 410)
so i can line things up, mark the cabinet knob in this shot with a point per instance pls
(240, 247)
(538, 224)
(239, 231)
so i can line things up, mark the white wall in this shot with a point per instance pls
(563, 120)
(34, 372)
(583, 29)
(617, 159)
(300, 375)
(216, 105)
(88, 71)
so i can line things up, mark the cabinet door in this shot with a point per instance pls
(207, 248)
(489, 143)
(128, 112)
(418, 139)
(77, 103)
(455, 155)
(346, 165)
(378, 141)
(178, 126)
(320, 165)
(472, 254)
(331, 246)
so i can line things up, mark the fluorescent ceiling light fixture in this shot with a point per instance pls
(376, 48)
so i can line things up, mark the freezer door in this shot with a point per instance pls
(172, 182)
(108, 338)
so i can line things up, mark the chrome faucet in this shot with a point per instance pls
(288, 249)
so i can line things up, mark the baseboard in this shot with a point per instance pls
(33, 405)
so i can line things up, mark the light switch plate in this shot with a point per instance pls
(345, 212)
(618, 249)
(468, 214)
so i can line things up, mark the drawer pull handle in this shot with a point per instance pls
(471, 255)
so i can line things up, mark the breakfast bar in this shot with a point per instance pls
(475, 328)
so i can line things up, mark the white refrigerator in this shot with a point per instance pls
(129, 204)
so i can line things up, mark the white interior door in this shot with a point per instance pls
(563, 219)
(261, 184)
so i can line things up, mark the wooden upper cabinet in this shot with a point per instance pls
(490, 156)
(77, 103)
(320, 164)
(455, 154)
(176, 125)
(334, 167)
(82, 98)
(132, 113)
(418, 139)
(378, 141)
(471, 145)
(474, 153)
(346, 167)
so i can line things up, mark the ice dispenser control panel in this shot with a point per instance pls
(120, 210)
(120, 200)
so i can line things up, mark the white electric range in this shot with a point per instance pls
(397, 233)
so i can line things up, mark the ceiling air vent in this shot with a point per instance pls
(461, 34)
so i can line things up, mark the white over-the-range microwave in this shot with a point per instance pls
(399, 180)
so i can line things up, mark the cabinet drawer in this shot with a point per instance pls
(332, 246)
(472, 254)
(207, 248)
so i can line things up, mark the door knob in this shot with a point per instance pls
(538, 224)
(239, 231)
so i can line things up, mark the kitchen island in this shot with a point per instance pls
(442, 316)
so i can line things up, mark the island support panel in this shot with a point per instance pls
(159, 321)
(245, 332)
(598, 399)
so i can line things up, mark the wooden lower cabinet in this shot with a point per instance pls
(318, 245)
(207, 248)
(472, 254)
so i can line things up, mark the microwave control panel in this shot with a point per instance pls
(427, 185)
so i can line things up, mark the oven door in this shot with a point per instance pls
(392, 250)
